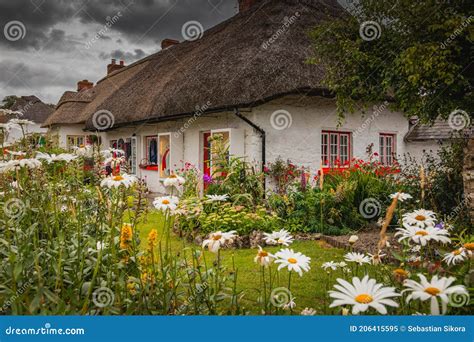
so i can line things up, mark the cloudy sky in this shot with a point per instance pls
(46, 46)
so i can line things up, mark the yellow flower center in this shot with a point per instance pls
(421, 232)
(432, 291)
(292, 260)
(420, 218)
(457, 252)
(262, 254)
(217, 237)
(165, 202)
(173, 176)
(400, 272)
(118, 178)
(364, 298)
(469, 246)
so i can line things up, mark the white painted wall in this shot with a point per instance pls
(62, 131)
(16, 134)
(300, 142)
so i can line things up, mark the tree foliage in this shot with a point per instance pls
(8, 101)
(418, 54)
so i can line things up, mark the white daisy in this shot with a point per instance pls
(281, 237)
(420, 218)
(342, 264)
(263, 257)
(21, 122)
(376, 258)
(17, 153)
(401, 196)
(455, 256)
(218, 198)
(362, 295)
(432, 290)
(117, 181)
(166, 203)
(422, 235)
(353, 239)
(308, 312)
(357, 258)
(49, 158)
(14, 165)
(330, 265)
(290, 305)
(83, 151)
(294, 261)
(174, 180)
(217, 239)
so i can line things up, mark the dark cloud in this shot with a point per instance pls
(35, 76)
(128, 57)
(67, 40)
(148, 20)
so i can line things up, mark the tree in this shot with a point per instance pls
(417, 54)
(9, 101)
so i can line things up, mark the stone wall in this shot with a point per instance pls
(468, 176)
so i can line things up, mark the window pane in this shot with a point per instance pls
(334, 149)
(165, 169)
(344, 148)
(324, 148)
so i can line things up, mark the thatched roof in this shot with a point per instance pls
(33, 109)
(438, 130)
(253, 57)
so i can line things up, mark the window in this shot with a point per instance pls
(75, 141)
(387, 150)
(164, 153)
(151, 150)
(335, 148)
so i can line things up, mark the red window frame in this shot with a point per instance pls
(387, 157)
(330, 139)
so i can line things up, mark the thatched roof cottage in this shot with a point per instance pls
(246, 79)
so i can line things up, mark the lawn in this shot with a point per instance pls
(308, 290)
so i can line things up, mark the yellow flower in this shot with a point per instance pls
(152, 239)
(400, 274)
(131, 288)
(126, 236)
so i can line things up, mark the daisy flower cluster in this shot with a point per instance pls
(364, 294)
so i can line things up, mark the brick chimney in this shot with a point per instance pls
(114, 66)
(246, 4)
(166, 43)
(84, 85)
